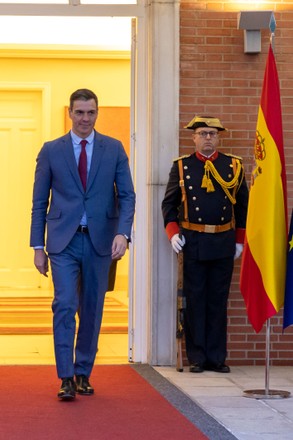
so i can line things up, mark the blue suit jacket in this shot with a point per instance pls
(59, 199)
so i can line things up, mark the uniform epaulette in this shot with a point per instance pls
(233, 155)
(181, 157)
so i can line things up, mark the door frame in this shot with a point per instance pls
(155, 112)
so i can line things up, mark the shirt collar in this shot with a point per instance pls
(76, 139)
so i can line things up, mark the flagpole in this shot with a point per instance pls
(267, 393)
(272, 29)
(268, 337)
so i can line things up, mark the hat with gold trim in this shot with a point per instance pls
(205, 121)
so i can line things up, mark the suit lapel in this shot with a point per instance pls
(98, 152)
(70, 159)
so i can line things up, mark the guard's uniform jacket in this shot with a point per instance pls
(205, 208)
(212, 216)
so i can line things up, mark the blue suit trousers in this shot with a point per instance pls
(80, 278)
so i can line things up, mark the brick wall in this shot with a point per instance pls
(218, 78)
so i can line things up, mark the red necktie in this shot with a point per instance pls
(82, 164)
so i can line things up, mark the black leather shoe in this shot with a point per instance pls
(219, 368)
(196, 368)
(67, 390)
(83, 386)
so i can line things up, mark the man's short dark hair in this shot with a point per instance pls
(82, 95)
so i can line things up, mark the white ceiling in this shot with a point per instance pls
(104, 33)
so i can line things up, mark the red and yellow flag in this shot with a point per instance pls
(263, 270)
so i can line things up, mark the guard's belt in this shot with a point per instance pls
(210, 229)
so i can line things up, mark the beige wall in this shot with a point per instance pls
(108, 78)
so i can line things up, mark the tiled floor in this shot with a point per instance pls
(247, 418)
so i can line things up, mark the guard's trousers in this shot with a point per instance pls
(206, 287)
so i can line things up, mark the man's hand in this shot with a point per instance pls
(238, 250)
(177, 242)
(119, 247)
(41, 261)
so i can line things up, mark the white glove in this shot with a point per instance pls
(238, 250)
(177, 243)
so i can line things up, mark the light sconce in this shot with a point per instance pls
(252, 22)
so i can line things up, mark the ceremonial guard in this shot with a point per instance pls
(204, 211)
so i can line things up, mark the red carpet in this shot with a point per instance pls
(124, 406)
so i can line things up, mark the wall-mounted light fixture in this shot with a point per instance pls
(252, 22)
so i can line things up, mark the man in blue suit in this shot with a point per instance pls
(87, 225)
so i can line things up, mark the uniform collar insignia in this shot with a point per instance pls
(204, 158)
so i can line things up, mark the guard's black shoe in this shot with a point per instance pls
(219, 368)
(67, 390)
(83, 386)
(196, 368)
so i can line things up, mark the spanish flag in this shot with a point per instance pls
(263, 269)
